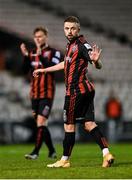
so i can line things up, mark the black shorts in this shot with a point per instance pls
(42, 106)
(79, 108)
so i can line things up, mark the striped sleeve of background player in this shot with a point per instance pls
(56, 57)
(86, 49)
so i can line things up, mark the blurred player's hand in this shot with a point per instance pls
(24, 49)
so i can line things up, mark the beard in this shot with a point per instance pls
(71, 37)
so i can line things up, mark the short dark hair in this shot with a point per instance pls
(43, 29)
(72, 19)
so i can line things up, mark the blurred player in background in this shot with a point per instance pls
(42, 88)
(80, 92)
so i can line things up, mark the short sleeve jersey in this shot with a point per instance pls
(76, 63)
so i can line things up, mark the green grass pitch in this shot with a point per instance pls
(86, 163)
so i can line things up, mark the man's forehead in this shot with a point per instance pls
(39, 33)
(70, 24)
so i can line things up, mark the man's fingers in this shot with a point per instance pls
(96, 49)
(22, 45)
(99, 51)
(35, 74)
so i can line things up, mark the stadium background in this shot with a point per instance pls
(108, 23)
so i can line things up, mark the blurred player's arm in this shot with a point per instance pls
(54, 68)
(24, 50)
(26, 59)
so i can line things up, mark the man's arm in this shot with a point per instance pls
(26, 58)
(24, 50)
(54, 68)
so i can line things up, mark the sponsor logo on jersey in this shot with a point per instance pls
(35, 63)
(46, 54)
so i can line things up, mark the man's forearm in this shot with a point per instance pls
(56, 67)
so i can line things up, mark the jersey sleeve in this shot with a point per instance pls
(56, 57)
(85, 50)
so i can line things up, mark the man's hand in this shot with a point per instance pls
(37, 71)
(95, 53)
(24, 49)
(95, 57)
(38, 48)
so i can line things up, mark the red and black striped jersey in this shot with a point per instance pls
(75, 68)
(44, 85)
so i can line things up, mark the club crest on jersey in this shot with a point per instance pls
(74, 48)
(35, 63)
(46, 54)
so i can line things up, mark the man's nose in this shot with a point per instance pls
(69, 30)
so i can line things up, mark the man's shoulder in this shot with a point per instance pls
(83, 41)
